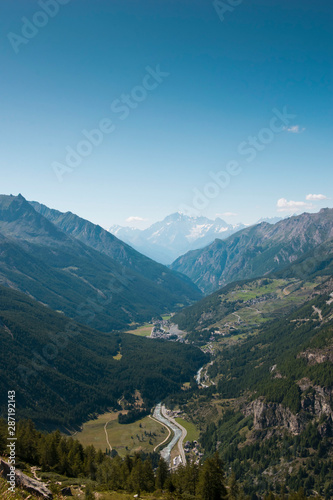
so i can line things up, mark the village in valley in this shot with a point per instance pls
(164, 329)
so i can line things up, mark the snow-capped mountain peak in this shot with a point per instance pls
(166, 240)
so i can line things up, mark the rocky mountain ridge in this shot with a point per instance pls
(256, 251)
(166, 240)
(56, 268)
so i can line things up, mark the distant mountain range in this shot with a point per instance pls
(79, 269)
(256, 250)
(270, 220)
(175, 235)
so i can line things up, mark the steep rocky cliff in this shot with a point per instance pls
(316, 402)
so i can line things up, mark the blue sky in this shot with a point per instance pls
(178, 91)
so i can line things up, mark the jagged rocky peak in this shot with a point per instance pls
(19, 219)
(175, 235)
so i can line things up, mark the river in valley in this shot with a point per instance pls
(166, 452)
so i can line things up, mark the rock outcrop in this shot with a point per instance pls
(316, 402)
(270, 415)
(27, 483)
(317, 356)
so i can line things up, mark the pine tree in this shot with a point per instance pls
(136, 481)
(99, 457)
(62, 452)
(75, 458)
(162, 474)
(148, 476)
(233, 487)
(211, 480)
(90, 462)
(27, 438)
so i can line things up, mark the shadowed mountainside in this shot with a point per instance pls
(62, 272)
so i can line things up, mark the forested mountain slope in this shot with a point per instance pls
(59, 270)
(266, 401)
(62, 370)
(245, 305)
(106, 243)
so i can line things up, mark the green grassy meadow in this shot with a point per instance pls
(142, 331)
(143, 434)
(192, 431)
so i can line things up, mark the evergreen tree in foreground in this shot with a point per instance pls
(211, 480)
(162, 474)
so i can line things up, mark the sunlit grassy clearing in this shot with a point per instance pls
(142, 331)
(125, 438)
(192, 431)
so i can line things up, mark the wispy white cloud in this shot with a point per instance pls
(284, 205)
(316, 197)
(227, 214)
(295, 129)
(134, 218)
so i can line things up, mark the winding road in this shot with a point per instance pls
(169, 432)
(106, 435)
(318, 311)
(239, 319)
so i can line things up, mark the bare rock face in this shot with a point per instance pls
(317, 356)
(318, 402)
(325, 429)
(270, 415)
(29, 484)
